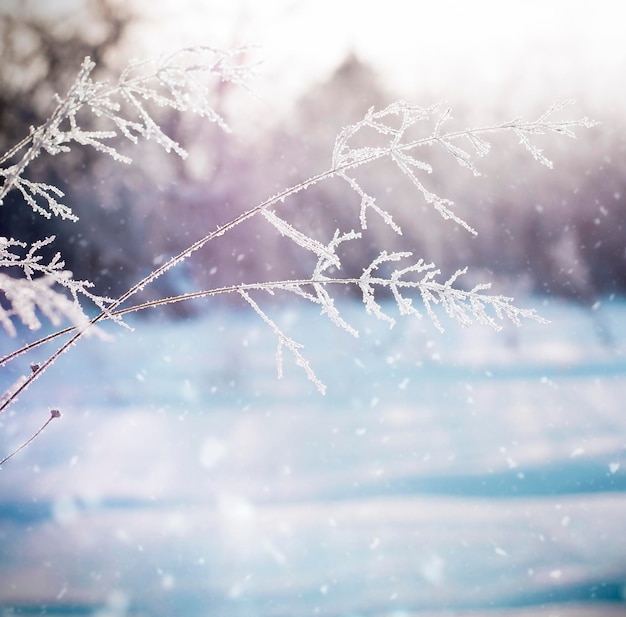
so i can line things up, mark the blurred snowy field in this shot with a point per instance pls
(467, 473)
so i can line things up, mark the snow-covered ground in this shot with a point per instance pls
(470, 473)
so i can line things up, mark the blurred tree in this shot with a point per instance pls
(601, 221)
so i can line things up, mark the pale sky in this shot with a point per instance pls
(480, 49)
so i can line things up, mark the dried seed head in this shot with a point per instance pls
(55, 413)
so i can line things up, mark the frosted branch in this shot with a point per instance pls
(181, 82)
(285, 341)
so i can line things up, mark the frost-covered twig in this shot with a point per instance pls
(178, 81)
(285, 341)
(465, 306)
(395, 124)
(36, 289)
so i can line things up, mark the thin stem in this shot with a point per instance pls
(34, 344)
(54, 413)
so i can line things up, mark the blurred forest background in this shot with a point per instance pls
(547, 232)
